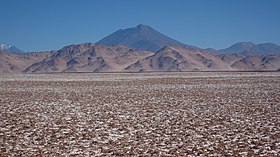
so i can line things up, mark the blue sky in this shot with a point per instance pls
(38, 25)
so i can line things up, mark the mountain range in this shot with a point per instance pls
(175, 58)
(141, 48)
(89, 57)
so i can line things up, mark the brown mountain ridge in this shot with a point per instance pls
(16, 62)
(91, 57)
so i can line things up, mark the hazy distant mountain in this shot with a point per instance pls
(141, 37)
(238, 48)
(89, 57)
(210, 50)
(9, 48)
(263, 49)
(248, 48)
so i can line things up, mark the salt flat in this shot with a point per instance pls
(160, 114)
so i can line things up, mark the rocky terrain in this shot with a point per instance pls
(140, 114)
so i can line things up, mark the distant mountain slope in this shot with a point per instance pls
(141, 37)
(15, 62)
(238, 48)
(9, 48)
(248, 48)
(89, 58)
(174, 58)
(263, 49)
(257, 62)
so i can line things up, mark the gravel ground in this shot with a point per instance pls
(144, 114)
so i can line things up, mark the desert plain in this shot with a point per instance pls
(140, 114)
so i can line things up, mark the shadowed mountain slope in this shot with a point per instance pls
(89, 58)
(174, 58)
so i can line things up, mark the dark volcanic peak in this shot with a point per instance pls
(142, 37)
(143, 27)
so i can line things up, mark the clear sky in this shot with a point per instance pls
(37, 25)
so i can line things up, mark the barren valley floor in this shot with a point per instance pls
(160, 114)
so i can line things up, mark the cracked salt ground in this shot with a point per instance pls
(152, 114)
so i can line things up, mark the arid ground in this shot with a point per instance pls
(140, 114)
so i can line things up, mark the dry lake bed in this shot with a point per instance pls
(140, 114)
